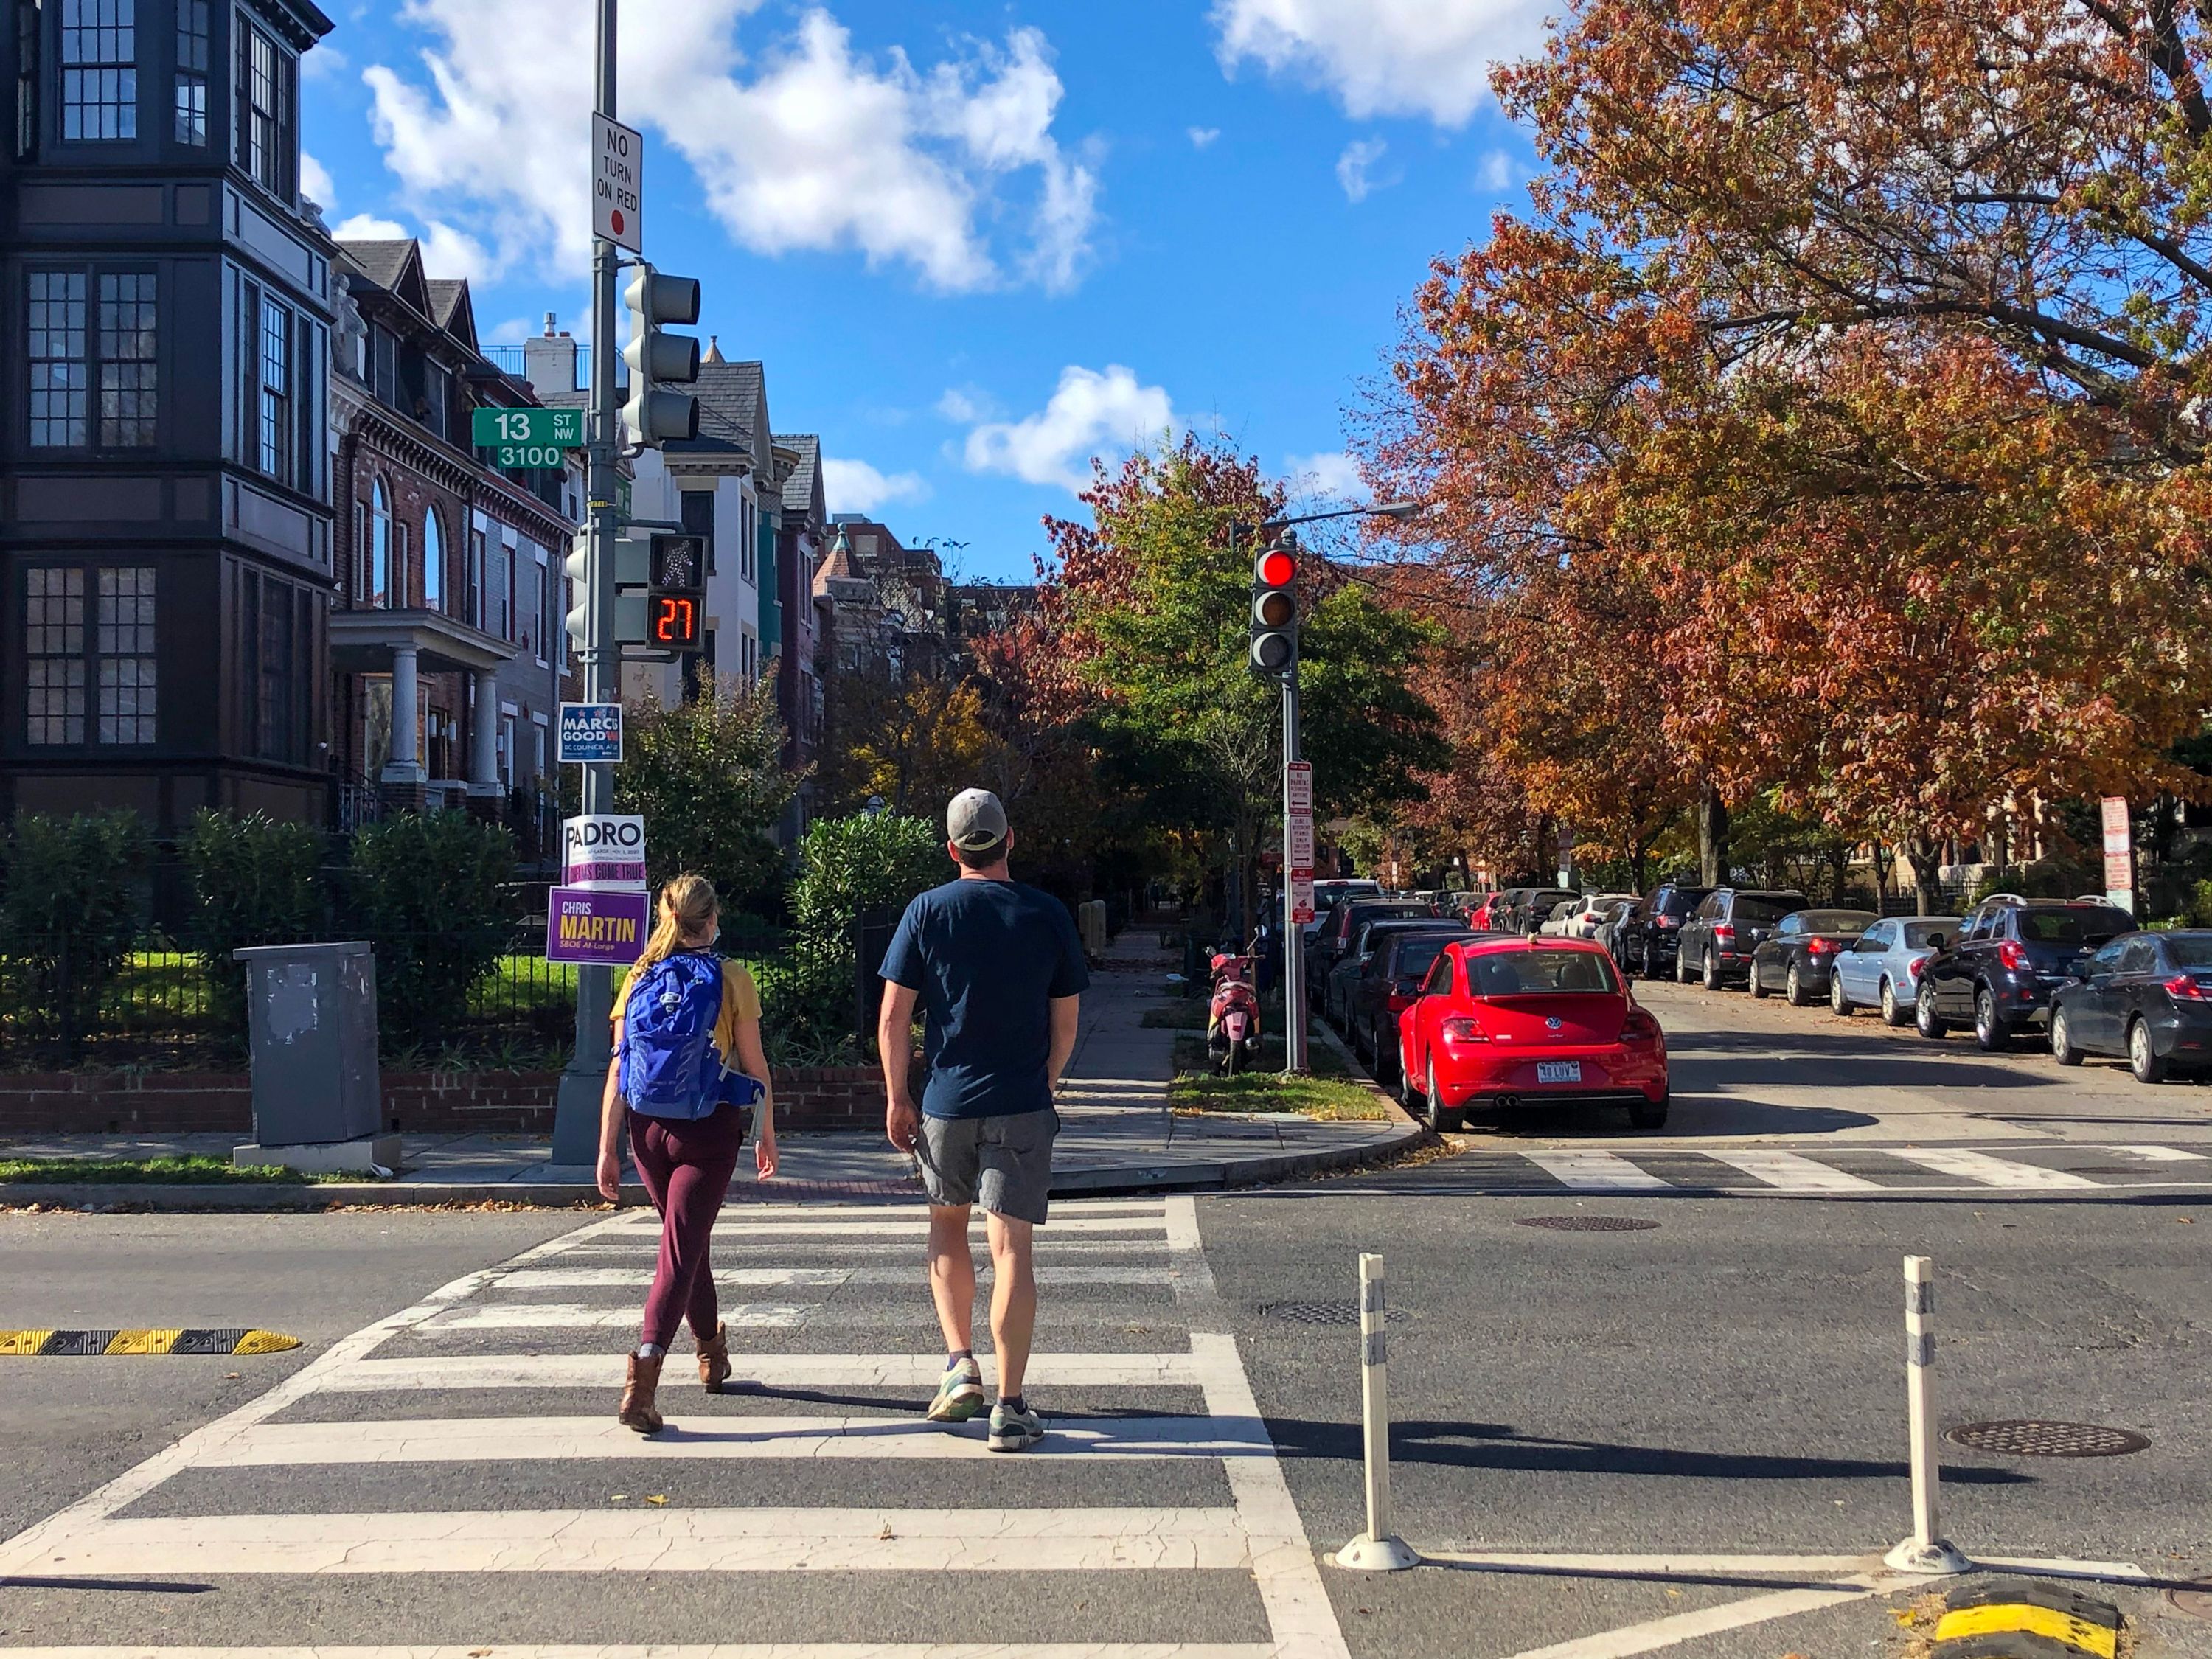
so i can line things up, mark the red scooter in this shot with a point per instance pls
(1232, 1018)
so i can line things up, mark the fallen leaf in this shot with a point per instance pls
(656, 1498)
(622, 1496)
(1674, 1592)
(886, 1531)
(1903, 1615)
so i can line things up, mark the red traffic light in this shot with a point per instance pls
(1277, 568)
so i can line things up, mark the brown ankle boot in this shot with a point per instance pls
(636, 1410)
(715, 1358)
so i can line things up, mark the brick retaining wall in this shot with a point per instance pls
(415, 1102)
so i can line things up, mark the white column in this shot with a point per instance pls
(406, 766)
(483, 736)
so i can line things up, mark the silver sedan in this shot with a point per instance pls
(1882, 971)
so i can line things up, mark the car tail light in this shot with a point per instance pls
(1666, 921)
(1640, 1026)
(1462, 1031)
(2013, 954)
(2182, 985)
(1819, 947)
(1723, 933)
(1914, 966)
(1398, 1001)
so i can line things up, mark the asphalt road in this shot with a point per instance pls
(1722, 1389)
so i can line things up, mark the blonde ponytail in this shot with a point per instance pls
(688, 905)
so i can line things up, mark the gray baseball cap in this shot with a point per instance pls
(975, 820)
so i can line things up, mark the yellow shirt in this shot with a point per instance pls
(740, 1001)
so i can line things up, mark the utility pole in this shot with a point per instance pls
(1294, 955)
(576, 1113)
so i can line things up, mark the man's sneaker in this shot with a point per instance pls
(1014, 1431)
(960, 1396)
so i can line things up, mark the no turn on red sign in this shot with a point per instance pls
(617, 183)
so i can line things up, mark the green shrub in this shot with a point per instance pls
(865, 866)
(71, 905)
(254, 882)
(425, 888)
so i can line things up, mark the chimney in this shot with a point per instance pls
(548, 362)
(548, 325)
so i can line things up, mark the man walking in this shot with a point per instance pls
(999, 972)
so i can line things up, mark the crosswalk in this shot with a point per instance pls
(460, 1459)
(2045, 1168)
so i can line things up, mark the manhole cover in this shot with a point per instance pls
(1324, 1313)
(2031, 1439)
(2196, 1602)
(1585, 1223)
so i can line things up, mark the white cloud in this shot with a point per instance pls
(1201, 137)
(513, 331)
(368, 227)
(324, 61)
(965, 405)
(1426, 57)
(1497, 171)
(1334, 476)
(804, 145)
(316, 183)
(856, 487)
(1089, 413)
(1352, 167)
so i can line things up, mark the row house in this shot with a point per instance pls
(166, 533)
(448, 639)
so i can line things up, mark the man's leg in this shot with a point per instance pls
(1013, 1298)
(953, 1275)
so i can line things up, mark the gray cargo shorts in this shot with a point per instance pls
(1003, 1163)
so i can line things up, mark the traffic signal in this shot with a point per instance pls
(658, 361)
(577, 565)
(675, 599)
(1274, 648)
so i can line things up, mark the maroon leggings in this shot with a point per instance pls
(686, 1165)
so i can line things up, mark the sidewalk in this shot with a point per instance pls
(1117, 1135)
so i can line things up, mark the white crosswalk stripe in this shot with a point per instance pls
(834, 1279)
(1990, 1171)
(1788, 1172)
(1841, 1170)
(1598, 1172)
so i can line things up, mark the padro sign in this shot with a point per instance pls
(603, 850)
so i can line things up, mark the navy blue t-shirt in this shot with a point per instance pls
(988, 959)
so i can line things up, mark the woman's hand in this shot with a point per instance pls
(611, 1175)
(765, 1152)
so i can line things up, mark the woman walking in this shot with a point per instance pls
(687, 1070)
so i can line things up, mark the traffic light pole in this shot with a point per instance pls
(576, 1113)
(1294, 955)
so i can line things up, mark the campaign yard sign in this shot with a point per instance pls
(591, 733)
(593, 927)
(603, 850)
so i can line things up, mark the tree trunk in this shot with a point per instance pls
(1926, 857)
(1639, 862)
(1712, 837)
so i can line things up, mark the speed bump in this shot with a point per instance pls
(2015, 1619)
(54, 1345)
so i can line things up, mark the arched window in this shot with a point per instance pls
(434, 561)
(380, 544)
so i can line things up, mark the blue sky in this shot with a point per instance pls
(973, 243)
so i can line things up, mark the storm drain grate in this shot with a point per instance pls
(2196, 1602)
(2030, 1438)
(1585, 1223)
(1324, 1313)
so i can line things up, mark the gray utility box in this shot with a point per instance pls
(311, 1017)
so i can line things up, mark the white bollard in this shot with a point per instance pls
(1927, 1551)
(1379, 1549)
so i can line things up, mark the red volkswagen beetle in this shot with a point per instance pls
(1501, 1021)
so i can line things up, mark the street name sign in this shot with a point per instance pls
(591, 733)
(593, 927)
(603, 850)
(617, 183)
(527, 437)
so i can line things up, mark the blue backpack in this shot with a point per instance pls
(670, 1067)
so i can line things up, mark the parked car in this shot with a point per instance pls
(1330, 893)
(1525, 908)
(1483, 916)
(2013, 954)
(2147, 997)
(1336, 995)
(1386, 985)
(1718, 942)
(1554, 925)
(1882, 971)
(1646, 942)
(1607, 932)
(1582, 921)
(1341, 927)
(1505, 1022)
(1797, 956)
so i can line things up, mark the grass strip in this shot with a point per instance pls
(195, 1170)
(1328, 1094)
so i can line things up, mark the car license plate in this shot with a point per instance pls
(1559, 1071)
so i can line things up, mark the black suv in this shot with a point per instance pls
(1525, 907)
(1644, 943)
(2011, 954)
(1729, 925)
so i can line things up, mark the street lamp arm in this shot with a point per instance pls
(1399, 510)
